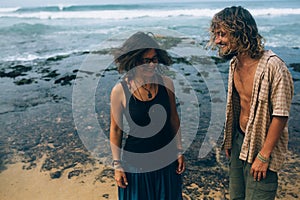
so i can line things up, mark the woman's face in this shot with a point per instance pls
(148, 64)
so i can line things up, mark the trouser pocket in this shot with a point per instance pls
(264, 189)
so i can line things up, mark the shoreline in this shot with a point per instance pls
(43, 156)
(97, 183)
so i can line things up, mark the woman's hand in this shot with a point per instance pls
(120, 178)
(181, 164)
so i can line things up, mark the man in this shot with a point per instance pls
(260, 90)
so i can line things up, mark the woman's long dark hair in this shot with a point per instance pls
(130, 54)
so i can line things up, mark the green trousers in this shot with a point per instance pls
(241, 184)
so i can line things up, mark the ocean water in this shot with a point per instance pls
(34, 33)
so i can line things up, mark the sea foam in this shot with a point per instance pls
(117, 14)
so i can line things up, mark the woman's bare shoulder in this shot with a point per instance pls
(168, 82)
(117, 90)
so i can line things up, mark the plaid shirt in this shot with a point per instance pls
(271, 96)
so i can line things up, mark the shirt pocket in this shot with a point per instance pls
(264, 91)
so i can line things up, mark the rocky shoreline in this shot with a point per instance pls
(38, 130)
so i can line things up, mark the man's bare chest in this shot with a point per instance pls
(243, 82)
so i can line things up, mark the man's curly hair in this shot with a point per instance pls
(242, 29)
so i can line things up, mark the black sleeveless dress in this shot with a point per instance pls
(149, 154)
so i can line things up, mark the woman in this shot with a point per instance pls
(151, 163)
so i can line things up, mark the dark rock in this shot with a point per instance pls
(295, 66)
(66, 80)
(218, 60)
(108, 173)
(51, 74)
(55, 175)
(24, 81)
(179, 60)
(15, 71)
(74, 173)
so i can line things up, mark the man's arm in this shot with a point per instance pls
(259, 168)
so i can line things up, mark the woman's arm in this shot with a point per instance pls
(116, 121)
(116, 132)
(175, 123)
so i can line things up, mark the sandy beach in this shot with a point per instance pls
(17, 183)
(97, 183)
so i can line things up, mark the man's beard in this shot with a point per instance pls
(228, 55)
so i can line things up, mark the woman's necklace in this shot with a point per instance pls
(148, 90)
(138, 90)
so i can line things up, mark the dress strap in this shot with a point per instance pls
(126, 91)
(160, 80)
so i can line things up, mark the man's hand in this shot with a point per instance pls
(228, 153)
(259, 169)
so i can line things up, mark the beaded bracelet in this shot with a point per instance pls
(262, 158)
(116, 164)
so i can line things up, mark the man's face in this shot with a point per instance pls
(226, 48)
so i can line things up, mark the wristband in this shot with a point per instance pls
(262, 158)
(116, 164)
